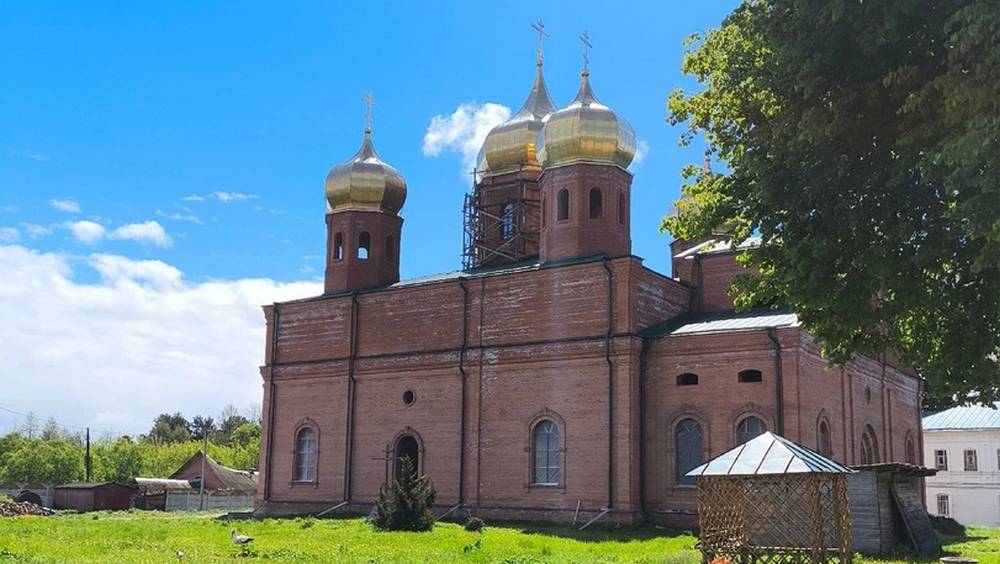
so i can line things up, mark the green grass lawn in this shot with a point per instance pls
(156, 537)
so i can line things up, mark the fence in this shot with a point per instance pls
(190, 501)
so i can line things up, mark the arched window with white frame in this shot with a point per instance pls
(749, 428)
(305, 455)
(545, 446)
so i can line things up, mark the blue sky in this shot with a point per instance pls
(193, 138)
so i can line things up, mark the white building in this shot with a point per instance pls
(963, 444)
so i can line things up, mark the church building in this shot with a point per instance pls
(554, 377)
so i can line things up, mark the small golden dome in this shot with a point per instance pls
(365, 183)
(511, 145)
(585, 131)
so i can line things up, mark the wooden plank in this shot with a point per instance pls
(918, 525)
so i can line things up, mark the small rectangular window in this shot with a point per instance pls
(943, 505)
(971, 465)
(941, 459)
(751, 376)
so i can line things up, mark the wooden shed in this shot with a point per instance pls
(887, 510)
(88, 496)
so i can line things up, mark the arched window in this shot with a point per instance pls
(305, 455)
(596, 203)
(364, 244)
(824, 444)
(690, 454)
(545, 444)
(507, 221)
(749, 428)
(390, 248)
(338, 246)
(750, 376)
(911, 451)
(562, 204)
(621, 208)
(869, 446)
(687, 379)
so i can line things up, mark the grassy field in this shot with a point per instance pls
(157, 537)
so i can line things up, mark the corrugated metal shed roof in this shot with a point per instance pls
(724, 321)
(964, 417)
(150, 485)
(769, 454)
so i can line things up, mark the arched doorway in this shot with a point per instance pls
(407, 446)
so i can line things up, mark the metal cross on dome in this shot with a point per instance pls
(369, 101)
(540, 28)
(585, 38)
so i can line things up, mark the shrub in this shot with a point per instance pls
(475, 524)
(405, 505)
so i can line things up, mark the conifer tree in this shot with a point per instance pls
(405, 504)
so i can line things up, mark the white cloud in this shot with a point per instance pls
(114, 269)
(641, 150)
(140, 341)
(36, 156)
(463, 131)
(147, 232)
(34, 230)
(193, 198)
(226, 197)
(180, 216)
(9, 234)
(86, 232)
(68, 206)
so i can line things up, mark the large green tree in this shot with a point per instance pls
(44, 462)
(861, 142)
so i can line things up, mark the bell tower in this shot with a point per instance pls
(363, 226)
(585, 150)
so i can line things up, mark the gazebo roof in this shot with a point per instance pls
(769, 454)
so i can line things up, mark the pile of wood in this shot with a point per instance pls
(18, 508)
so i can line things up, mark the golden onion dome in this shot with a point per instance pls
(585, 131)
(365, 183)
(511, 145)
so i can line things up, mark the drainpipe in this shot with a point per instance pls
(779, 409)
(701, 284)
(461, 369)
(270, 403)
(642, 427)
(351, 393)
(611, 395)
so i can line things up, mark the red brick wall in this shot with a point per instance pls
(581, 235)
(535, 347)
(350, 272)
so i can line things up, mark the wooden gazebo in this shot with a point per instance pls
(770, 500)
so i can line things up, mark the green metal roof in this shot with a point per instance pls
(964, 417)
(723, 321)
(769, 454)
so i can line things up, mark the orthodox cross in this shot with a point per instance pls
(540, 28)
(387, 457)
(585, 38)
(369, 101)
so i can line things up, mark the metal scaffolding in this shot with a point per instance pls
(500, 231)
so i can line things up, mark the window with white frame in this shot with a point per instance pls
(545, 443)
(971, 464)
(941, 459)
(305, 455)
(943, 505)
